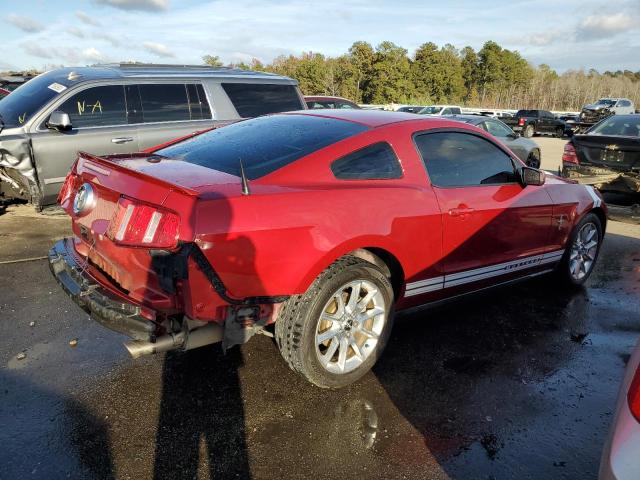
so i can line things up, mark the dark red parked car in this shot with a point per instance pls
(4, 92)
(322, 222)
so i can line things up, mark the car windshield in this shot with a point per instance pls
(16, 109)
(430, 110)
(626, 126)
(263, 144)
(606, 102)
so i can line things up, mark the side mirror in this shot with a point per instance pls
(532, 176)
(59, 121)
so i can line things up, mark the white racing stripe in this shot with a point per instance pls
(592, 192)
(460, 278)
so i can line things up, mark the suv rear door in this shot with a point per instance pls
(98, 115)
(167, 110)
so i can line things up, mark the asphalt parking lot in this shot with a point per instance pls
(517, 383)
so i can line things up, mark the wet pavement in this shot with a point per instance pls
(517, 383)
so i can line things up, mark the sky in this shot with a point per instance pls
(565, 34)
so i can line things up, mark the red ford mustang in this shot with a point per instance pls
(322, 222)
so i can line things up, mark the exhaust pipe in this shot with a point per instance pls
(199, 337)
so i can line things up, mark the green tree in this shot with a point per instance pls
(212, 60)
(361, 55)
(390, 80)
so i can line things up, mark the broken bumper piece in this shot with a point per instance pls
(105, 306)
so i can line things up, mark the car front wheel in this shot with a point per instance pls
(533, 160)
(582, 251)
(334, 333)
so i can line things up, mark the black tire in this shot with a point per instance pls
(297, 322)
(533, 160)
(528, 131)
(559, 132)
(563, 270)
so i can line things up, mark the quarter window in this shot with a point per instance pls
(96, 107)
(375, 162)
(455, 159)
(255, 99)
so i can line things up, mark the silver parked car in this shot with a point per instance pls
(527, 150)
(125, 108)
(620, 459)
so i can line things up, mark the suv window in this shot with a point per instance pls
(497, 129)
(255, 99)
(96, 107)
(198, 104)
(375, 162)
(456, 111)
(165, 102)
(455, 159)
(624, 103)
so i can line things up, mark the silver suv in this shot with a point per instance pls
(120, 109)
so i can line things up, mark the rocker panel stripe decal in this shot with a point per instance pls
(460, 278)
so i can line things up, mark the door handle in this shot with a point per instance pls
(120, 140)
(460, 211)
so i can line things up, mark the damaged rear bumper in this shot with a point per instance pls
(604, 178)
(105, 306)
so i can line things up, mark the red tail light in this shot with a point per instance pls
(521, 122)
(68, 187)
(570, 155)
(141, 225)
(633, 396)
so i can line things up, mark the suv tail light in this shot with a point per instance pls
(141, 225)
(569, 155)
(68, 187)
(633, 396)
(521, 122)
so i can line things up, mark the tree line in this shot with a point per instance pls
(490, 77)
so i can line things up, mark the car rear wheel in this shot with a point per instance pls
(582, 251)
(334, 333)
(559, 132)
(533, 160)
(528, 131)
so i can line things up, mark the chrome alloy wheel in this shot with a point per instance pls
(350, 325)
(583, 251)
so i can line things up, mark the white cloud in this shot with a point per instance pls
(158, 49)
(142, 5)
(37, 51)
(76, 32)
(24, 23)
(604, 26)
(87, 19)
(92, 55)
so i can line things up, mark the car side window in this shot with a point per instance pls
(198, 104)
(456, 111)
(96, 107)
(345, 105)
(375, 162)
(497, 129)
(165, 102)
(446, 111)
(455, 159)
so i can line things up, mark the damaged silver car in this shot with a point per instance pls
(108, 109)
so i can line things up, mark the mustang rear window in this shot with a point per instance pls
(264, 144)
